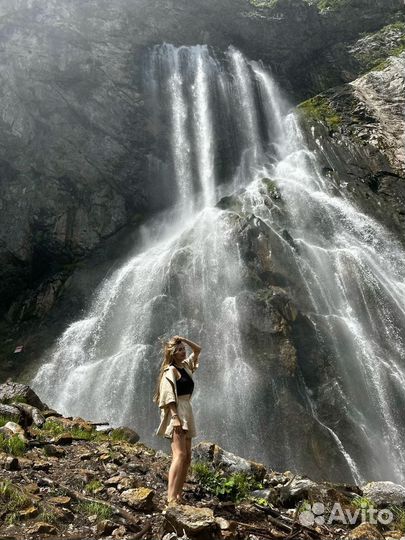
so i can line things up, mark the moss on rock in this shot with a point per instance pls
(319, 108)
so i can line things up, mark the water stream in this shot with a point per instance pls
(223, 125)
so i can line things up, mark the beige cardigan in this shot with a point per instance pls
(168, 391)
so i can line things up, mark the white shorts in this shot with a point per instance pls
(186, 417)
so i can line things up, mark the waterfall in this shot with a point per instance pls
(223, 124)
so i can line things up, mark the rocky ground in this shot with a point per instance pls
(62, 478)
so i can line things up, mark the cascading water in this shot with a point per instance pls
(223, 125)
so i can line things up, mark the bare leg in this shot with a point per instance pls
(186, 465)
(179, 454)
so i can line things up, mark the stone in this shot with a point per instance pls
(10, 412)
(226, 525)
(10, 391)
(119, 532)
(28, 513)
(106, 527)
(140, 498)
(193, 520)
(14, 429)
(53, 451)
(63, 438)
(114, 480)
(365, 531)
(384, 493)
(127, 434)
(41, 527)
(126, 483)
(10, 463)
(60, 500)
(226, 461)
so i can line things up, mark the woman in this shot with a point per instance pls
(173, 393)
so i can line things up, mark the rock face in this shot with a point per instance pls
(359, 132)
(76, 139)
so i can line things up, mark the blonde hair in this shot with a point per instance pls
(169, 348)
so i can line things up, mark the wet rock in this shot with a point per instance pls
(10, 391)
(365, 531)
(384, 493)
(139, 498)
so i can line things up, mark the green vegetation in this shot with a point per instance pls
(318, 108)
(362, 502)
(13, 445)
(53, 428)
(47, 515)
(4, 420)
(15, 399)
(399, 517)
(102, 511)
(93, 486)
(12, 499)
(378, 46)
(271, 187)
(118, 435)
(235, 487)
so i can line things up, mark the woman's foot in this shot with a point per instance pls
(172, 502)
(180, 500)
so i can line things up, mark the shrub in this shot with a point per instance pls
(235, 487)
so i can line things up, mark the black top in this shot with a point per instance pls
(185, 385)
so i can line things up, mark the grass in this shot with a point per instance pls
(235, 487)
(13, 445)
(12, 499)
(102, 511)
(4, 420)
(399, 517)
(362, 502)
(93, 486)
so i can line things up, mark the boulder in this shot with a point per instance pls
(11, 428)
(12, 391)
(384, 493)
(138, 498)
(226, 461)
(194, 521)
(126, 433)
(10, 412)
